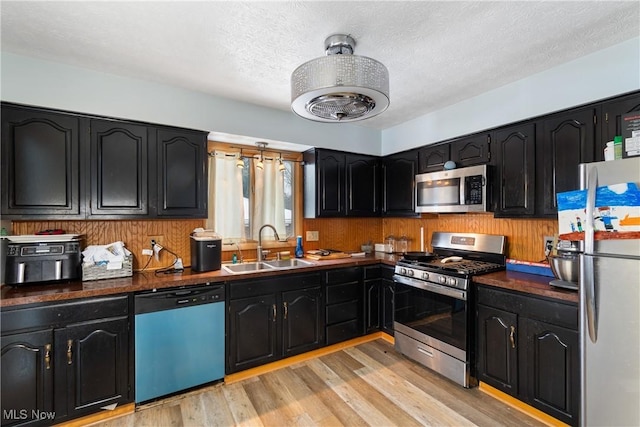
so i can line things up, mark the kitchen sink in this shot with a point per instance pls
(288, 263)
(249, 267)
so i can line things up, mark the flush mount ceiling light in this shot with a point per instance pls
(340, 87)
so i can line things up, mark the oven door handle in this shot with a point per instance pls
(431, 287)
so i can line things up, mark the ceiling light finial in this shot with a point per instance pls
(340, 87)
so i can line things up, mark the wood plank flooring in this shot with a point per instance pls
(366, 385)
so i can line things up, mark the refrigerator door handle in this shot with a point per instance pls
(592, 185)
(588, 285)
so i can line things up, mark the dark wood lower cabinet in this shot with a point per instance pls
(253, 336)
(528, 347)
(344, 304)
(273, 318)
(63, 361)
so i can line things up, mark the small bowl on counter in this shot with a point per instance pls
(565, 267)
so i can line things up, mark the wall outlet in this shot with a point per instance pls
(313, 236)
(548, 245)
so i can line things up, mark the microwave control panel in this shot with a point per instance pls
(473, 186)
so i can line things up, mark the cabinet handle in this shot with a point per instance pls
(47, 356)
(286, 310)
(512, 336)
(273, 309)
(69, 352)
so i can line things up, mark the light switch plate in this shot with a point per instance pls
(313, 236)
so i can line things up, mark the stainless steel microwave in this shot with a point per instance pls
(451, 191)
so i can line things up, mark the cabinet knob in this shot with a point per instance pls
(47, 356)
(69, 352)
(512, 336)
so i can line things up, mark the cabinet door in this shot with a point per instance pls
(497, 354)
(182, 172)
(566, 140)
(432, 158)
(94, 356)
(362, 189)
(551, 360)
(302, 324)
(471, 150)
(372, 300)
(515, 148)
(27, 377)
(40, 163)
(119, 161)
(387, 306)
(398, 184)
(612, 112)
(253, 332)
(330, 192)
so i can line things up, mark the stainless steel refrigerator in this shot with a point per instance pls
(609, 309)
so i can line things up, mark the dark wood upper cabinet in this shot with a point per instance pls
(612, 112)
(398, 184)
(182, 173)
(362, 188)
(564, 141)
(471, 150)
(338, 184)
(516, 166)
(40, 164)
(118, 169)
(58, 165)
(433, 157)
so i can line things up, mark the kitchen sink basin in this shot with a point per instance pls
(249, 267)
(288, 263)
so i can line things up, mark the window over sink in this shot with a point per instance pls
(248, 189)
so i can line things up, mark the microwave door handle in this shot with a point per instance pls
(463, 189)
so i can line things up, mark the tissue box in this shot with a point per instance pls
(98, 272)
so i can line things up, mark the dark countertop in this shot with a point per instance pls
(30, 294)
(527, 283)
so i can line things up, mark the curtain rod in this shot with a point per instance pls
(256, 156)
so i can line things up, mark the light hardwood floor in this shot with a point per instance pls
(366, 385)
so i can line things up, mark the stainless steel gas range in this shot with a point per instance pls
(433, 302)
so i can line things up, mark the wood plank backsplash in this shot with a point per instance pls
(524, 236)
(136, 235)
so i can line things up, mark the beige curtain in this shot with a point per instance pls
(268, 206)
(226, 205)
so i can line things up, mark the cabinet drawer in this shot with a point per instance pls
(344, 275)
(342, 312)
(372, 272)
(62, 314)
(342, 293)
(342, 332)
(546, 310)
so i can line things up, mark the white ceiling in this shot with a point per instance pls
(437, 53)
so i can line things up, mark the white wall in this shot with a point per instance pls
(33, 81)
(606, 73)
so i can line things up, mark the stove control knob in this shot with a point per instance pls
(442, 279)
(425, 275)
(452, 281)
(410, 272)
(403, 271)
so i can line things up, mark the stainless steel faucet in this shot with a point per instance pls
(259, 257)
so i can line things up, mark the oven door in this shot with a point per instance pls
(436, 315)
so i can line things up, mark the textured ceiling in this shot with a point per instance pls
(437, 53)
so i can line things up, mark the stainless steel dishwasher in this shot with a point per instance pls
(179, 339)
